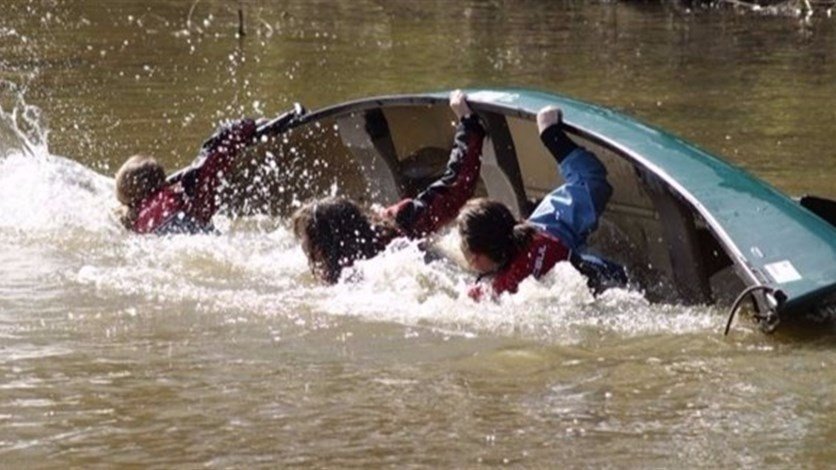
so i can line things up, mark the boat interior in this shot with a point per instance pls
(379, 153)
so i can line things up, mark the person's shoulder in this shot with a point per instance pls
(553, 246)
(158, 206)
(541, 252)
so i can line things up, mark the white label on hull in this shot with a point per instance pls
(782, 272)
(500, 96)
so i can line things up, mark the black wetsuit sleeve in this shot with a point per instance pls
(441, 201)
(558, 143)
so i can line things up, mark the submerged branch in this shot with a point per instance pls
(796, 8)
(738, 3)
(241, 31)
(189, 16)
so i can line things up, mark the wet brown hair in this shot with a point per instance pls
(136, 179)
(488, 227)
(335, 233)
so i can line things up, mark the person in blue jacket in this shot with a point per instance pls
(499, 247)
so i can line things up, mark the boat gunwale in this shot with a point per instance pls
(397, 100)
(514, 109)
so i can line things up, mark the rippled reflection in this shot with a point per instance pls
(222, 351)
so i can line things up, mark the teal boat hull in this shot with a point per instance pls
(693, 227)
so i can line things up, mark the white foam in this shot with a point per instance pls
(48, 193)
(256, 267)
(265, 273)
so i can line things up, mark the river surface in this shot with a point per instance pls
(221, 352)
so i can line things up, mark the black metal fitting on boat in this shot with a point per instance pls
(282, 123)
(769, 319)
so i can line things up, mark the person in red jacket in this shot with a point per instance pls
(506, 251)
(186, 203)
(336, 232)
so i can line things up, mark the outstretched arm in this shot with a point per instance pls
(202, 180)
(440, 202)
(571, 211)
(550, 127)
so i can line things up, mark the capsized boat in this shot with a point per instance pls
(689, 226)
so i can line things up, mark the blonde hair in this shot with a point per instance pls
(139, 177)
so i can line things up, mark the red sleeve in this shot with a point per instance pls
(156, 210)
(509, 279)
(538, 258)
(202, 182)
(506, 280)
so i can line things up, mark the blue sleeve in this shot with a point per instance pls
(571, 211)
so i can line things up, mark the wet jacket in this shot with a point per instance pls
(188, 204)
(564, 218)
(441, 201)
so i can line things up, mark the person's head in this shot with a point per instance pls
(490, 235)
(334, 233)
(139, 177)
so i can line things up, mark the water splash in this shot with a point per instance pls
(63, 213)
(21, 127)
(400, 286)
(41, 192)
(46, 193)
(251, 274)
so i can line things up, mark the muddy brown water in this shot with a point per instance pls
(220, 351)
